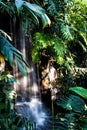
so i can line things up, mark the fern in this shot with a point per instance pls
(66, 34)
(50, 43)
(51, 7)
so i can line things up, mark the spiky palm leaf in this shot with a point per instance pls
(10, 53)
(34, 11)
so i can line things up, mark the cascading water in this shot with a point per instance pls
(34, 109)
(35, 112)
(29, 102)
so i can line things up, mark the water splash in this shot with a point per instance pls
(34, 111)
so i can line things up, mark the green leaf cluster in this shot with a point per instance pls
(50, 43)
(10, 53)
(9, 120)
(75, 115)
(23, 7)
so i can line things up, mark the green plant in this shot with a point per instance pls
(13, 54)
(21, 7)
(66, 38)
(75, 113)
(80, 91)
(9, 119)
(52, 44)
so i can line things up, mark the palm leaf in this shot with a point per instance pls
(37, 11)
(80, 91)
(5, 34)
(10, 53)
(32, 15)
(34, 11)
(21, 65)
(72, 102)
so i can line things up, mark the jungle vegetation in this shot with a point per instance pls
(59, 34)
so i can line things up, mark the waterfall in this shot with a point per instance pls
(28, 102)
(33, 108)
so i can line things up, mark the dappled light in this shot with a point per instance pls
(43, 65)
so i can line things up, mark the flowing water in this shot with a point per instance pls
(33, 108)
(35, 112)
(30, 104)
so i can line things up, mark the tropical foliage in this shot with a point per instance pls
(64, 40)
(8, 118)
(68, 29)
(9, 53)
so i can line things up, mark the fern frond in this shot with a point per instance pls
(46, 41)
(83, 35)
(66, 34)
(51, 7)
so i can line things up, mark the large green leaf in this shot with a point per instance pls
(80, 91)
(33, 10)
(5, 34)
(37, 11)
(10, 52)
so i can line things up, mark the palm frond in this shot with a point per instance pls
(5, 34)
(34, 11)
(72, 103)
(80, 91)
(10, 52)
